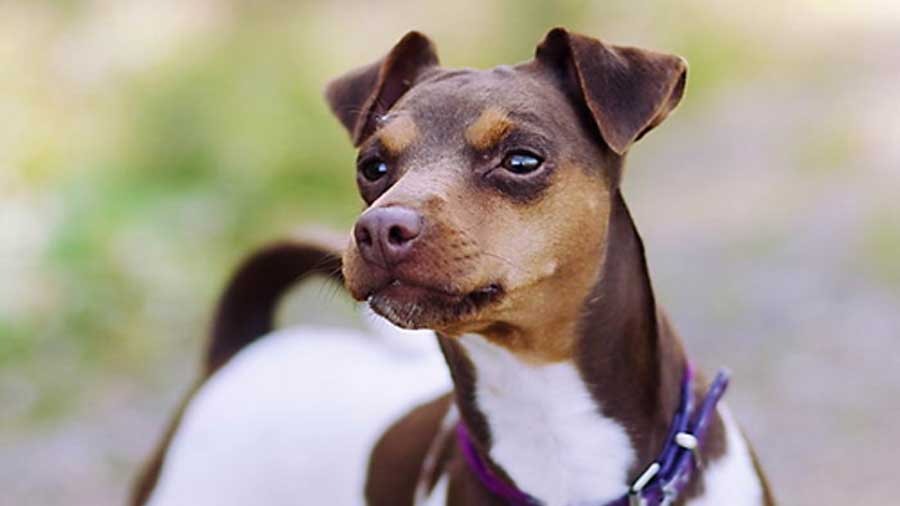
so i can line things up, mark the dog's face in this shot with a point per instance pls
(488, 192)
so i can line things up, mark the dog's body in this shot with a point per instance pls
(496, 219)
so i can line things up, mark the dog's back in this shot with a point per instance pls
(292, 418)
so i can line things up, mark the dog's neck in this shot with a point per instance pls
(627, 351)
(621, 386)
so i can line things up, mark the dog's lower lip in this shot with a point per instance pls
(402, 285)
(406, 289)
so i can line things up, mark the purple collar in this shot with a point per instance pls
(662, 481)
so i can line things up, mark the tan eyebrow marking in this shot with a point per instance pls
(489, 128)
(398, 134)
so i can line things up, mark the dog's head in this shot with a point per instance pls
(489, 191)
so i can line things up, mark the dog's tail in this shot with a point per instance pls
(245, 312)
(246, 309)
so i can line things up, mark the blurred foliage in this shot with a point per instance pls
(216, 147)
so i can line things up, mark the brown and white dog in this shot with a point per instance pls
(495, 218)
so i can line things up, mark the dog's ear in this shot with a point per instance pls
(627, 90)
(360, 96)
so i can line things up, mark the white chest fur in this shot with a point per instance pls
(731, 479)
(548, 433)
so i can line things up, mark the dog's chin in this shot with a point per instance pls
(419, 307)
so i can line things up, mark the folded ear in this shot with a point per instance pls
(627, 90)
(360, 96)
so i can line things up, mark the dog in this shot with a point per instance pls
(495, 218)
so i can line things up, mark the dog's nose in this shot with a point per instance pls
(385, 235)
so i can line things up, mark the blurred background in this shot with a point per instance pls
(145, 147)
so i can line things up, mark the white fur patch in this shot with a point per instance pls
(292, 418)
(548, 433)
(731, 479)
(438, 496)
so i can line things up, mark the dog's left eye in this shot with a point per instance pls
(521, 162)
(373, 169)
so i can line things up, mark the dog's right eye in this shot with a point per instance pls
(373, 169)
(521, 162)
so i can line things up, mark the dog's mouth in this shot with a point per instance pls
(414, 305)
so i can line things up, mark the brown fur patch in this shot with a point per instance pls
(545, 286)
(395, 465)
(489, 128)
(398, 135)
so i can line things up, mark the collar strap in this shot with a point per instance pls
(662, 481)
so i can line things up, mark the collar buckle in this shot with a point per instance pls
(689, 442)
(634, 492)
